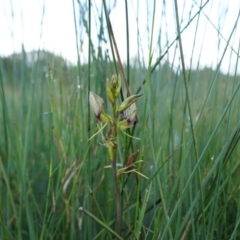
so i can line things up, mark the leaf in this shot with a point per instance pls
(100, 222)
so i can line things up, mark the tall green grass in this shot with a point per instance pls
(49, 169)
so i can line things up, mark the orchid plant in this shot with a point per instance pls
(124, 116)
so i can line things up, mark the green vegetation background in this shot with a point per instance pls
(49, 169)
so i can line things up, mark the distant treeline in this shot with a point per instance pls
(36, 64)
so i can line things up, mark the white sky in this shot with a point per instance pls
(49, 25)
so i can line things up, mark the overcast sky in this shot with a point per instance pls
(49, 25)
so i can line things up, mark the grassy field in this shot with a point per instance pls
(55, 183)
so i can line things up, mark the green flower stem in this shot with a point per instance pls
(114, 167)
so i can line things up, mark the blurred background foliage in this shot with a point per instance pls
(49, 169)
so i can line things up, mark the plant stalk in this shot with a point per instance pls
(114, 167)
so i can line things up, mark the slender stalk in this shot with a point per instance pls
(127, 40)
(44, 229)
(89, 162)
(114, 167)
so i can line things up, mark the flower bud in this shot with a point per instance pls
(128, 102)
(97, 106)
(113, 88)
(128, 117)
(109, 91)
